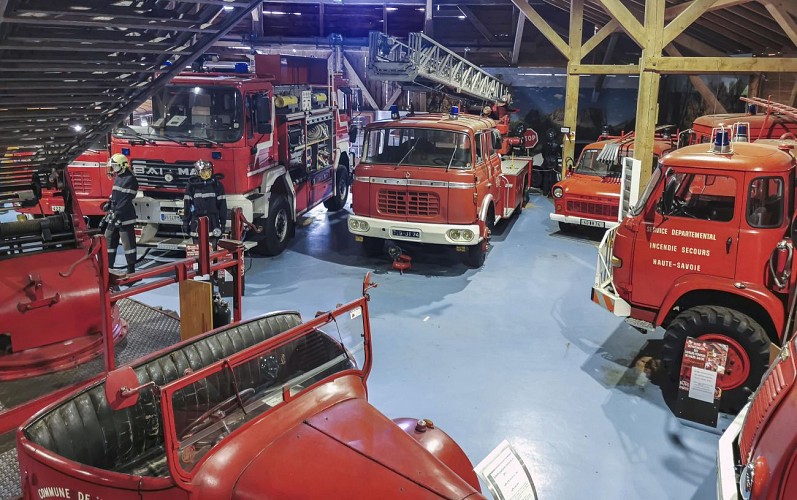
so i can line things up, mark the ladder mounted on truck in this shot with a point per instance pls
(425, 62)
(772, 107)
(72, 71)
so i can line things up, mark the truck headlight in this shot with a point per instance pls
(752, 477)
(557, 192)
(460, 234)
(358, 225)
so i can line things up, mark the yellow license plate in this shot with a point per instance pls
(462, 249)
(358, 239)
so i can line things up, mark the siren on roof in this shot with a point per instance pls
(721, 140)
(741, 132)
(394, 112)
(454, 113)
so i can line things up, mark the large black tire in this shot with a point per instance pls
(373, 247)
(748, 351)
(277, 228)
(341, 194)
(476, 254)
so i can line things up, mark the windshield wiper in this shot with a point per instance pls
(126, 129)
(197, 139)
(165, 137)
(408, 152)
(452, 157)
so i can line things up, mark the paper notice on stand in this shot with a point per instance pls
(506, 475)
(702, 384)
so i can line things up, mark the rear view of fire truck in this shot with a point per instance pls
(275, 136)
(707, 252)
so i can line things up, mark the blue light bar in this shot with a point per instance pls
(394, 112)
(216, 155)
(126, 151)
(241, 67)
(454, 113)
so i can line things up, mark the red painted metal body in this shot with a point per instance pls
(426, 202)
(297, 156)
(309, 437)
(590, 194)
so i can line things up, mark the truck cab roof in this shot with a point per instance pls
(463, 123)
(760, 156)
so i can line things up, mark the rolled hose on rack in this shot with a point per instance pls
(317, 132)
(33, 227)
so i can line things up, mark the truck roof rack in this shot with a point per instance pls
(772, 107)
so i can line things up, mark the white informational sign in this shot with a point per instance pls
(506, 475)
(702, 384)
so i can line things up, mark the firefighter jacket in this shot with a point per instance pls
(205, 198)
(125, 188)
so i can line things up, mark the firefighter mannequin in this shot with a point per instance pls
(204, 196)
(121, 216)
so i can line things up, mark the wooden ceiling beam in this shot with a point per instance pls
(700, 86)
(627, 21)
(676, 10)
(783, 18)
(476, 22)
(686, 18)
(521, 23)
(600, 36)
(542, 25)
(720, 65)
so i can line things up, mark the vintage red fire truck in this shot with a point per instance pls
(756, 454)
(768, 123)
(267, 408)
(275, 136)
(707, 253)
(437, 179)
(590, 194)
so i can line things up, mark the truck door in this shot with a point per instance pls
(482, 170)
(320, 171)
(693, 229)
(494, 167)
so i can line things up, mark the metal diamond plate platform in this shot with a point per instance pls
(150, 330)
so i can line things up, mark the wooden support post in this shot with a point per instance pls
(678, 25)
(320, 19)
(393, 98)
(196, 308)
(428, 23)
(647, 101)
(545, 28)
(521, 23)
(627, 20)
(784, 19)
(572, 84)
(352, 74)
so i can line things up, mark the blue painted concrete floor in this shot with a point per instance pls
(515, 350)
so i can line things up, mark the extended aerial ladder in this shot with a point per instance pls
(426, 63)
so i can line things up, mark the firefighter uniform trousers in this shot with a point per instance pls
(204, 198)
(125, 187)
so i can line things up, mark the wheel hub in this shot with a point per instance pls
(281, 224)
(737, 366)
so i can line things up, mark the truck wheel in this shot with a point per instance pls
(475, 255)
(373, 247)
(338, 200)
(748, 351)
(277, 228)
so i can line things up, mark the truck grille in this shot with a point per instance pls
(768, 396)
(409, 203)
(158, 173)
(81, 182)
(592, 208)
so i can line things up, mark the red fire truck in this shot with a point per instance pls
(282, 412)
(707, 253)
(275, 136)
(769, 123)
(91, 183)
(756, 454)
(437, 179)
(590, 194)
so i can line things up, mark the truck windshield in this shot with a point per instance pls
(588, 164)
(419, 147)
(189, 113)
(205, 410)
(643, 198)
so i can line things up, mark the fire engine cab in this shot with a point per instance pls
(275, 136)
(707, 253)
(589, 195)
(435, 179)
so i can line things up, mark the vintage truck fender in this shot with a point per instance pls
(276, 176)
(752, 292)
(440, 444)
(485, 207)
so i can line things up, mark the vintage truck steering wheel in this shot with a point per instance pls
(204, 420)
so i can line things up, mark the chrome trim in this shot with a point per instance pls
(390, 181)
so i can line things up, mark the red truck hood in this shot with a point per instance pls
(591, 185)
(349, 450)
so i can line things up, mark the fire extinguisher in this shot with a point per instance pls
(780, 263)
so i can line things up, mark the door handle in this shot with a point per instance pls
(728, 244)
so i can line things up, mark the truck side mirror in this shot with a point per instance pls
(668, 196)
(263, 114)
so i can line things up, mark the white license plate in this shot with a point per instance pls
(593, 223)
(57, 208)
(169, 217)
(401, 233)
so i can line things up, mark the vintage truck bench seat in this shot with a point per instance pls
(130, 441)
